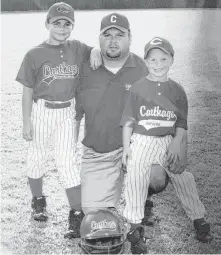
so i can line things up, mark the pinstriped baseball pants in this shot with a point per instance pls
(148, 150)
(59, 123)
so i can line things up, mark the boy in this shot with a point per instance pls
(49, 74)
(156, 113)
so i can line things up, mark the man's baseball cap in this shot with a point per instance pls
(60, 10)
(159, 43)
(115, 20)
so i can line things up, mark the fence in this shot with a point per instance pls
(31, 5)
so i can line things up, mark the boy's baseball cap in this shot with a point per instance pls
(116, 20)
(159, 43)
(60, 10)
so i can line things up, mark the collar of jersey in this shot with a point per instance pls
(157, 81)
(54, 46)
(129, 63)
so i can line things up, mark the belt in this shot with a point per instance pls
(55, 105)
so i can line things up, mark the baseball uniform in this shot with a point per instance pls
(156, 109)
(101, 97)
(52, 71)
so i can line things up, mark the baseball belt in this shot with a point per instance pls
(55, 105)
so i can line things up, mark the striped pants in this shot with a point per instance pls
(148, 150)
(59, 123)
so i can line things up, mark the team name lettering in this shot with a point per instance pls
(62, 71)
(156, 112)
(95, 226)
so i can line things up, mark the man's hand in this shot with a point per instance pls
(28, 131)
(125, 156)
(95, 58)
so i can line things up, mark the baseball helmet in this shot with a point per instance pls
(101, 233)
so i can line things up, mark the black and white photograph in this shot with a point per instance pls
(110, 127)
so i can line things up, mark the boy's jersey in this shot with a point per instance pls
(156, 108)
(53, 70)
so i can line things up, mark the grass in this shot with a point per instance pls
(196, 38)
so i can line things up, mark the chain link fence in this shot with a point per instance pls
(42, 5)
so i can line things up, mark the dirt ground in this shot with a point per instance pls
(196, 37)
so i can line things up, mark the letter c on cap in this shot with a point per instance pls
(113, 19)
(156, 41)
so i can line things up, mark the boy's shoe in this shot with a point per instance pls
(39, 209)
(74, 220)
(149, 203)
(202, 230)
(149, 218)
(137, 240)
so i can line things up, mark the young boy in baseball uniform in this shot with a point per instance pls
(49, 74)
(155, 133)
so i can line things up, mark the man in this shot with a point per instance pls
(101, 96)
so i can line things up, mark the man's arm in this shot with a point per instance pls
(27, 101)
(129, 118)
(78, 116)
(127, 132)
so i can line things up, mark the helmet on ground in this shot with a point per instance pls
(101, 233)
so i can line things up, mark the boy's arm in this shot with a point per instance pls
(27, 101)
(182, 104)
(177, 152)
(92, 54)
(95, 58)
(26, 76)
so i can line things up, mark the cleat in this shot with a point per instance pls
(74, 219)
(39, 209)
(149, 218)
(137, 240)
(202, 230)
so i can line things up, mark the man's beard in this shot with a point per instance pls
(113, 55)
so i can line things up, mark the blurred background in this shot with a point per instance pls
(41, 5)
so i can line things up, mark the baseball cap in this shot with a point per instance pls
(61, 10)
(159, 43)
(116, 20)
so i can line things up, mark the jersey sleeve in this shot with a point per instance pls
(84, 50)
(129, 112)
(182, 103)
(26, 73)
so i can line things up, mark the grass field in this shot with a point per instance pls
(196, 37)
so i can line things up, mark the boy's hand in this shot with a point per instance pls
(126, 155)
(95, 58)
(173, 152)
(28, 131)
(177, 156)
